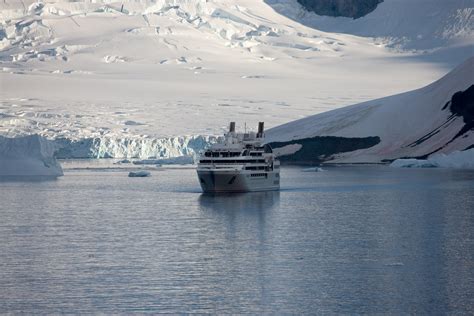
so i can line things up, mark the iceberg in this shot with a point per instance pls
(456, 159)
(30, 155)
(313, 169)
(412, 163)
(122, 161)
(139, 174)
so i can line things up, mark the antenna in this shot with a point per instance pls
(245, 128)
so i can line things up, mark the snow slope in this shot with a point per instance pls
(148, 78)
(28, 156)
(412, 124)
(427, 25)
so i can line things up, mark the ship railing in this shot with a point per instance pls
(232, 163)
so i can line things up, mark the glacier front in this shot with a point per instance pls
(127, 148)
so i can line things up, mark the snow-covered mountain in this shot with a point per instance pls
(438, 118)
(155, 78)
(442, 30)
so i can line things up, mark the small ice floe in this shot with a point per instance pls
(181, 160)
(456, 159)
(412, 163)
(313, 169)
(133, 123)
(253, 77)
(122, 161)
(146, 162)
(139, 174)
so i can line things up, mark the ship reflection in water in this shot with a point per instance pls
(254, 203)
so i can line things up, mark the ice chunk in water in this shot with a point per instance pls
(139, 174)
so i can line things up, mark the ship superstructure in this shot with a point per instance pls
(239, 162)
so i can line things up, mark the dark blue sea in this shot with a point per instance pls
(351, 240)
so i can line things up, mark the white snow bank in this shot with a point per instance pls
(28, 156)
(456, 159)
(139, 174)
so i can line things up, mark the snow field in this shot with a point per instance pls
(126, 81)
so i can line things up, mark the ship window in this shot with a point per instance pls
(258, 175)
(207, 154)
(229, 161)
(253, 161)
(255, 168)
(202, 181)
(215, 154)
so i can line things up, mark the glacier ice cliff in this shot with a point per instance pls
(30, 155)
(139, 148)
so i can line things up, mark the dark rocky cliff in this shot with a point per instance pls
(347, 8)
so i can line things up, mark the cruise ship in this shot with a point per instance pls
(239, 162)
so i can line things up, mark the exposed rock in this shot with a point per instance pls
(462, 104)
(347, 8)
(316, 150)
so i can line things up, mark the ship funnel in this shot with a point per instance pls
(260, 129)
(232, 127)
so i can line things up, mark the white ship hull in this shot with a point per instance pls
(231, 180)
(239, 163)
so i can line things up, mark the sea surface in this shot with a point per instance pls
(366, 239)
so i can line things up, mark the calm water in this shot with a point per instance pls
(346, 240)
